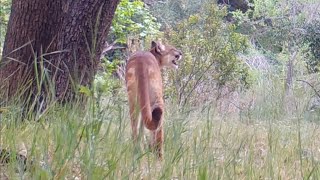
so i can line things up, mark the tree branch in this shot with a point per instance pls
(313, 88)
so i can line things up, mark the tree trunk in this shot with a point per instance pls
(85, 28)
(289, 76)
(55, 42)
(289, 103)
(30, 28)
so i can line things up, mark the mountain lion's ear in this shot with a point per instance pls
(158, 46)
(153, 44)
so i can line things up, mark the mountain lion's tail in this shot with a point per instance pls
(150, 119)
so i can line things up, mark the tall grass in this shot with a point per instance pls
(260, 143)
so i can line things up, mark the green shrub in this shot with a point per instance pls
(312, 37)
(170, 12)
(132, 19)
(211, 61)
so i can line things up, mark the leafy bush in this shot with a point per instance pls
(133, 19)
(312, 37)
(105, 82)
(170, 12)
(210, 62)
(274, 24)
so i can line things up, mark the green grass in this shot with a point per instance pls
(260, 142)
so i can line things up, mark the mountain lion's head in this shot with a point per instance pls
(167, 55)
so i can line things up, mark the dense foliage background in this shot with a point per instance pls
(244, 104)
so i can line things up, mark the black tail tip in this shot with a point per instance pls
(157, 114)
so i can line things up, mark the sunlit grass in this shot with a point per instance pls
(200, 144)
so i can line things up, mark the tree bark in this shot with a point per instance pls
(55, 42)
(86, 25)
(30, 28)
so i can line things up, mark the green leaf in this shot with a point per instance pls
(85, 90)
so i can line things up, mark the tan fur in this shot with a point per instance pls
(144, 87)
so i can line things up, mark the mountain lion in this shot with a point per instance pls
(144, 87)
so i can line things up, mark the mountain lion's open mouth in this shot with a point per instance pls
(174, 62)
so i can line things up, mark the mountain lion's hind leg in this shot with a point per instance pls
(158, 142)
(134, 113)
(157, 135)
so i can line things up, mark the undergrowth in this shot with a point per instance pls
(200, 143)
